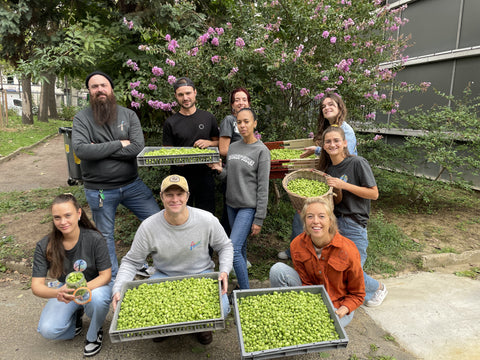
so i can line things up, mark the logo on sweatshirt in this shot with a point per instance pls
(194, 244)
(344, 177)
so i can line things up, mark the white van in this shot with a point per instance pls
(14, 103)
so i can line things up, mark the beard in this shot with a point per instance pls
(104, 109)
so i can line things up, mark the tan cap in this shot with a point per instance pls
(171, 180)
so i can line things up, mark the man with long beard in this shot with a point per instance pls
(193, 127)
(107, 137)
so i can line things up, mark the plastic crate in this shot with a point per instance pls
(169, 329)
(342, 342)
(184, 159)
(279, 168)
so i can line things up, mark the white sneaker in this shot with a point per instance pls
(282, 255)
(378, 297)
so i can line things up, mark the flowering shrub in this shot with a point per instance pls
(288, 64)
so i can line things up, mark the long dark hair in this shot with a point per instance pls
(235, 91)
(323, 123)
(325, 161)
(55, 250)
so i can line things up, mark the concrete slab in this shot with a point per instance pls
(432, 315)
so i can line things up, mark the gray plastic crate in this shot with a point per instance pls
(296, 349)
(184, 159)
(169, 329)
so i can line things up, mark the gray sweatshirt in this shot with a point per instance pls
(104, 162)
(177, 249)
(247, 172)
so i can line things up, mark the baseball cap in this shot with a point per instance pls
(99, 73)
(183, 81)
(171, 180)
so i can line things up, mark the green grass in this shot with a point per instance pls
(16, 135)
(473, 273)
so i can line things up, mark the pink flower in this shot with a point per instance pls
(310, 135)
(239, 42)
(170, 62)
(152, 86)
(377, 137)
(171, 79)
(172, 46)
(135, 104)
(319, 96)
(260, 50)
(215, 41)
(168, 37)
(133, 85)
(133, 65)
(193, 52)
(257, 135)
(333, 40)
(219, 99)
(157, 71)
(215, 59)
(325, 34)
(219, 31)
(304, 91)
(233, 71)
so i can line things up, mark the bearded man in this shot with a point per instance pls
(107, 137)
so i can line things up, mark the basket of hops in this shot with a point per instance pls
(306, 183)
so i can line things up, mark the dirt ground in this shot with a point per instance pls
(45, 166)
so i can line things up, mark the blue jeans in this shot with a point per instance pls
(225, 303)
(358, 234)
(297, 229)
(241, 221)
(282, 275)
(135, 196)
(57, 321)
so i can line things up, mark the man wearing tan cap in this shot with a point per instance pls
(178, 238)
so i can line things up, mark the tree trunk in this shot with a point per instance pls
(52, 98)
(27, 114)
(43, 104)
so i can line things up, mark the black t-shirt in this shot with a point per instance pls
(180, 130)
(357, 171)
(91, 248)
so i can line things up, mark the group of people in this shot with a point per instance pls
(328, 248)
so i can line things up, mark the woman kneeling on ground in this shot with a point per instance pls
(73, 244)
(321, 256)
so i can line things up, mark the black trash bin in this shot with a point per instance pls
(74, 170)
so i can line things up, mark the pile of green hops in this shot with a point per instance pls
(281, 319)
(307, 187)
(169, 302)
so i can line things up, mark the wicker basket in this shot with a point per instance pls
(311, 174)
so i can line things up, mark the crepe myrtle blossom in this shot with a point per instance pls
(128, 23)
(172, 45)
(333, 40)
(233, 71)
(215, 41)
(143, 47)
(170, 62)
(260, 50)
(171, 79)
(319, 96)
(157, 71)
(325, 34)
(219, 99)
(425, 85)
(304, 92)
(370, 116)
(257, 135)
(135, 104)
(133, 65)
(219, 31)
(137, 94)
(155, 104)
(377, 137)
(310, 135)
(153, 80)
(202, 39)
(152, 86)
(193, 52)
(215, 59)
(133, 85)
(239, 42)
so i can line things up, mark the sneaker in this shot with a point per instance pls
(282, 255)
(93, 347)
(78, 321)
(378, 297)
(205, 337)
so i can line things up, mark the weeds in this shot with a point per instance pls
(473, 273)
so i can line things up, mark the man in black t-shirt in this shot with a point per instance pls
(193, 127)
